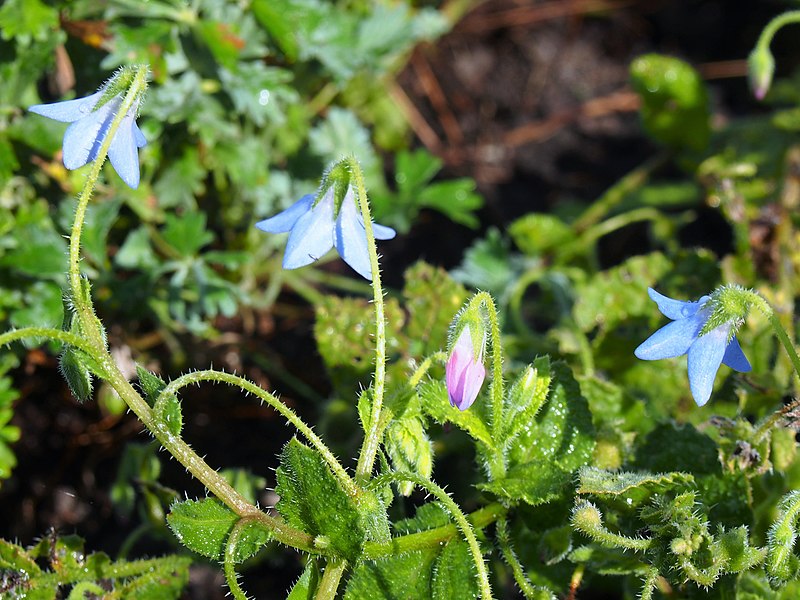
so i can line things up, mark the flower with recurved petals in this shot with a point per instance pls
(315, 227)
(464, 370)
(91, 119)
(685, 335)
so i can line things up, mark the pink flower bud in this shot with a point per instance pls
(465, 370)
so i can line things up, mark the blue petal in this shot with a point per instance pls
(674, 339)
(735, 358)
(311, 237)
(705, 356)
(675, 309)
(141, 142)
(83, 138)
(382, 232)
(123, 152)
(284, 221)
(68, 111)
(350, 237)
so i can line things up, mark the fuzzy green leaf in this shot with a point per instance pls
(454, 573)
(537, 233)
(409, 449)
(77, 374)
(313, 500)
(633, 487)
(524, 398)
(202, 525)
(306, 586)
(782, 563)
(395, 578)
(435, 403)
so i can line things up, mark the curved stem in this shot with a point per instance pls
(369, 448)
(458, 517)
(496, 389)
(422, 369)
(764, 40)
(780, 332)
(650, 579)
(329, 584)
(230, 554)
(529, 590)
(248, 386)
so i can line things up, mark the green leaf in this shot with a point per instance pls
(27, 20)
(546, 454)
(614, 296)
(187, 233)
(136, 251)
(524, 398)
(435, 403)
(395, 578)
(203, 525)
(675, 109)
(152, 385)
(43, 306)
(15, 558)
(536, 233)
(674, 447)
(634, 487)
(182, 180)
(311, 499)
(409, 449)
(455, 198)
(78, 375)
(306, 586)
(454, 573)
(432, 297)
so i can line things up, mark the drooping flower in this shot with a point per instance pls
(464, 369)
(706, 350)
(316, 225)
(90, 119)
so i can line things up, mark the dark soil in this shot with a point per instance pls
(529, 99)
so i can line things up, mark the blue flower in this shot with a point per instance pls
(88, 129)
(705, 352)
(315, 230)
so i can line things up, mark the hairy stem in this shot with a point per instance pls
(329, 584)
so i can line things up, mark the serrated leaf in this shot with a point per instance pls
(454, 573)
(169, 412)
(557, 442)
(428, 516)
(79, 378)
(311, 499)
(395, 578)
(435, 403)
(614, 296)
(187, 233)
(202, 525)
(636, 487)
(151, 384)
(16, 558)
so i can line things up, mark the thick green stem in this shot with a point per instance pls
(650, 579)
(369, 448)
(433, 538)
(458, 516)
(248, 386)
(329, 584)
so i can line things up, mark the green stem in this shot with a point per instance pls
(369, 448)
(458, 516)
(248, 386)
(433, 538)
(421, 370)
(529, 590)
(56, 335)
(650, 579)
(775, 322)
(329, 584)
(230, 559)
(496, 389)
(787, 18)
(773, 420)
(135, 90)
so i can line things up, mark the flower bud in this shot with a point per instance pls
(761, 67)
(464, 369)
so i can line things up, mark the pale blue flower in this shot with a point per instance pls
(705, 352)
(88, 129)
(464, 370)
(314, 229)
